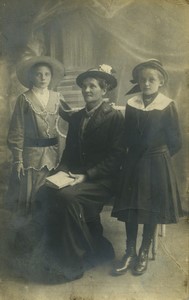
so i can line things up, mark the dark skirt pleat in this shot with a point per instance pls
(149, 192)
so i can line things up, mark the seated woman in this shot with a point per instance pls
(93, 154)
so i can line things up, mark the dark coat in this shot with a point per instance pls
(70, 217)
(98, 152)
(149, 191)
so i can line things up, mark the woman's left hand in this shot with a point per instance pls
(78, 178)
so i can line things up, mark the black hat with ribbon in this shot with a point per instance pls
(151, 63)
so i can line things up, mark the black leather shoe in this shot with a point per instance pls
(127, 262)
(141, 264)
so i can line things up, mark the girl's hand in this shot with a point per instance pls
(20, 169)
(78, 178)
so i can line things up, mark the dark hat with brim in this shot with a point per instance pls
(23, 69)
(103, 71)
(151, 63)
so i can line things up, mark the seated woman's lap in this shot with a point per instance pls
(90, 196)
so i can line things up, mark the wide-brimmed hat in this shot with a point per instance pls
(102, 71)
(151, 63)
(24, 67)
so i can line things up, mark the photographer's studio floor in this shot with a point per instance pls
(166, 277)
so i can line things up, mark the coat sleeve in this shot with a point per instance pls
(65, 111)
(112, 162)
(172, 129)
(15, 139)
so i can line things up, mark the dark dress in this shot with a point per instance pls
(72, 215)
(149, 191)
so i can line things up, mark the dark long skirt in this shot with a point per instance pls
(71, 235)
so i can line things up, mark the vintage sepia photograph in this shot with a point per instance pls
(94, 139)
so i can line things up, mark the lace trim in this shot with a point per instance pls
(43, 111)
(18, 149)
(36, 169)
(17, 162)
(57, 128)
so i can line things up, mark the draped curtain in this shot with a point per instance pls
(124, 33)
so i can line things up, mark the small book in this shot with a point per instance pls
(59, 180)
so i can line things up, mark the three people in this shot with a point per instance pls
(149, 193)
(33, 136)
(92, 154)
(96, 143)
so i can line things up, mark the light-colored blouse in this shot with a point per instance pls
(33, 120)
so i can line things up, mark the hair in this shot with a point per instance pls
(102, 82)
(33, 68)
(160, 75)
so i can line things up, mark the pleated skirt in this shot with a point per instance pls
(149, 191)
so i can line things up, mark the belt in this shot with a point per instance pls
(29, 142)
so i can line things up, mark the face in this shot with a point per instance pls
(150, 81)
(92, 92)
(42, 77)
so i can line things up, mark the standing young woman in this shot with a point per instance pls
(33, 132)
(149, 193)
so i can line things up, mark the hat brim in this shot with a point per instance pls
(153, 65)
(24, 67)
(110, 79)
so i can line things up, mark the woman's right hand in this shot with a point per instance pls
(20, 169)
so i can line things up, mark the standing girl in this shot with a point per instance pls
(33, 133)
(149, 193)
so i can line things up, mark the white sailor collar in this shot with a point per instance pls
(159, 103)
